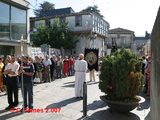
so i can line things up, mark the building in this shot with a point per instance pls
(89, 28)
(142, 45)
(14, 26)
(122, 37)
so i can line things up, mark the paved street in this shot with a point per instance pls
(60, 94)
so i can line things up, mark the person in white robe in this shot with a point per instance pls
(80, 75)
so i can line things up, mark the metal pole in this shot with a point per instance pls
(22, 85)
(84, 99)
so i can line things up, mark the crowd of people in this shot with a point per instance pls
(49, 69)
(146, 71)
(13, 70)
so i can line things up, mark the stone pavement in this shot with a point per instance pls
(60, 94)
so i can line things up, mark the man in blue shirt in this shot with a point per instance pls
(27, 69)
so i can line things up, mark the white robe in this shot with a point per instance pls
(80, 76)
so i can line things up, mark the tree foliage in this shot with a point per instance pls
(121, 77)
(43, 7)
(93, 9)
(41, 36)
(57, 36)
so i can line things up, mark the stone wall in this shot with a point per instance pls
(155, 70)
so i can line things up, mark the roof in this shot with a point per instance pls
(24, 4)
(120, 30)
(141, 38)
(56, 12)
(62, 15)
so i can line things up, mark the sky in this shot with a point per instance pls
(135, 15)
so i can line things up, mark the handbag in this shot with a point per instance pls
(36, 80)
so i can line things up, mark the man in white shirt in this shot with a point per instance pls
(80, 75)
(11, 70)
(46, 74)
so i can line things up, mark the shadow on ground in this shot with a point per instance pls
(91, 83)
(148, 116)
(107, 115)
(69, 85)
(4, 94)
(96, 105)
(69, 82)
(3, 111)
(145, 104)
(10, 115)
(63, 103)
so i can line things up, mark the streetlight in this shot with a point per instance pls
(22, 84)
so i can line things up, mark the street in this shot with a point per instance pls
(56, 101)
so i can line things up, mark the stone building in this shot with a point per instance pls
(155, 69)
(122, 37)
(141, 45)
(89, 28)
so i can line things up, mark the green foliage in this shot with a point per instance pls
(93, 9)
(57, 36)
(61, 36)
(121, 77)
(41, 36)
(45, 6)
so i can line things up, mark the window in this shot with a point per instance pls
(18, 23)
(9, 51)
(78, 20)
(40, 23)
(62, 20)
(47, 22)
(4, 21)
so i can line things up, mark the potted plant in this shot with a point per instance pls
(121, 80)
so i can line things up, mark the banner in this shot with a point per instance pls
(91, 56)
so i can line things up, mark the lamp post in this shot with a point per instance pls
(22, 84)
(21, 45)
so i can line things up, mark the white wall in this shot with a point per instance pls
(39, 23)
(21, 2)
(86, 42)
(90, 24)
(71, 22)
(99, 25)
(121, 39)
(86, 23)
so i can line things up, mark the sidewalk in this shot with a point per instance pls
(60, 94)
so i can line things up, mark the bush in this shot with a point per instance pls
(121, 77)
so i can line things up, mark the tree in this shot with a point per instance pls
(61, 36)
(57, 36)
(45, 6)
(41, 36)
(93, 9)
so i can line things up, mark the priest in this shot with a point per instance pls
(80, 75)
